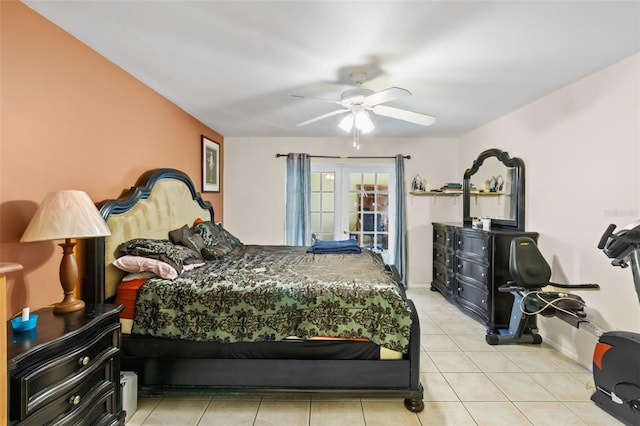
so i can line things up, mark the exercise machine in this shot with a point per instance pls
(616, 358)
(531, 273)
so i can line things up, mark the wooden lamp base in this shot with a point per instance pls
(68, 280)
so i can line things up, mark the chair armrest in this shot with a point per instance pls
(509, 287)
(580, 286)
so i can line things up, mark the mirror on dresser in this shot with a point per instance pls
(493, 187)
(469, 263)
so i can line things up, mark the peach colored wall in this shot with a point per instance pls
(70, 119)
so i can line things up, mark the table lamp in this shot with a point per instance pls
(64, 215)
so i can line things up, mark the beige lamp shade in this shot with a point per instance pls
(65, 214)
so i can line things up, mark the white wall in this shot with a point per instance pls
(255, 180)
(581, 148)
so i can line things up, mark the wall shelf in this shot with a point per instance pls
(475, 195)
(435, 193)
(486, 194)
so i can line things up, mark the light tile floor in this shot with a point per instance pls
(466, 382)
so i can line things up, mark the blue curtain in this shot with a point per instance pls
(298, 210)
(401, 222)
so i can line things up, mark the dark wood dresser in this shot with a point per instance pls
(67, 370)
(468, 267)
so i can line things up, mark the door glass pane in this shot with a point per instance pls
(354, 201)
(315, 181)
(328, 181)
(353, 221)
(315, 202)
(355, 179)
(369, 178)
(328, 201)
(315, 223)
(384, 223)
(327, 222)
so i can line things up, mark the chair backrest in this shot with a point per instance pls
(528, 267)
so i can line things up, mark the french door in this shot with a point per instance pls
(354, 201)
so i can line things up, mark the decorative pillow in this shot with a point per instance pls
(134, 264)
(216, 251)
(185, 237)
(212, 234)
(228, 237)
(208, 231)
(173, 254)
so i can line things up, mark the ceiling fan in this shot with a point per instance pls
(359, 101)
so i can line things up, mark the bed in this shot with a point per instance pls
(259, 320)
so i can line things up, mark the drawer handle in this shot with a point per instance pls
(74, 400)
(84, 360)
(484, 301)
(459, 289)
(484, 275)
(484, 248)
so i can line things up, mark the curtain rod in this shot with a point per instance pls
(408, 157)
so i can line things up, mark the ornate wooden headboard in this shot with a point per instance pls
(161, 200)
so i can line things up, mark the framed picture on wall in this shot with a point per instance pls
(210, 165)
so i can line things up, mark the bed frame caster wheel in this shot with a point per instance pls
(492, 339)
(414, 405)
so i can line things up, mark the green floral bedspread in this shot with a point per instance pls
(267, 293)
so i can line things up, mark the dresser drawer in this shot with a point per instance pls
(443, 257)
(84, 405)
(100, 409)
(473, 269)
(443, 236)
(473, 296)
(475, 244)
(443, 278)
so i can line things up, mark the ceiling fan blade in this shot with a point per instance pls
(403, 114)
(322, 117)
(333, 101)
(386, 95)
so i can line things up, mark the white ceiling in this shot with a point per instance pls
(235, 64)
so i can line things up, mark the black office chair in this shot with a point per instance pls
(531, 273)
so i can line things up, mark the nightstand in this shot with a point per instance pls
(67, 370)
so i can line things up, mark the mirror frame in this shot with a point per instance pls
(516, 222)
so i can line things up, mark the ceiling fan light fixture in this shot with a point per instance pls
(359, 101)
(346, 123)
(363, 122)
